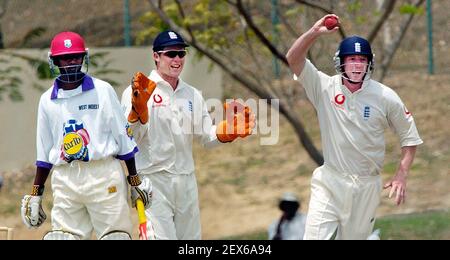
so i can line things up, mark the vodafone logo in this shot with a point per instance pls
(407, 113)
(157, 99)
(339, 99)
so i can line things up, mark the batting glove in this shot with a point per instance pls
(141, 90)
(32, 213)
(140, 189)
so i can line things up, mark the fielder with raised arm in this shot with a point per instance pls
(353, 111)
(82, 134)
(166, 114)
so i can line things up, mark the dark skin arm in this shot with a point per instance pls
(40, 178)
(131, 166)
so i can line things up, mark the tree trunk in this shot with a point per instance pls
(3, 4)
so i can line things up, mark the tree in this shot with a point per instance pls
(235, 35)
(3, 4)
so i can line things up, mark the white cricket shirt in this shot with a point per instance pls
(293, 229)
(86, 124)
(175, 118)
(353, 124)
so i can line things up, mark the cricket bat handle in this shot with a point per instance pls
(142, 219)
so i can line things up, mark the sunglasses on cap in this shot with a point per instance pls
(173, 53)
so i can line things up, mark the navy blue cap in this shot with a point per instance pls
(355, 45)
(168, 38)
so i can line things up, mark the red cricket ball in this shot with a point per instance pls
(331, 22)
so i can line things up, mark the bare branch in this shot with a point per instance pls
(386, 63)
(324, 10)
(258, 33)
(388, 8)
(182, 14)
(289, 28)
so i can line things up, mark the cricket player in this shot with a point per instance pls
(354, 112)
(166, 114)
(82, 134)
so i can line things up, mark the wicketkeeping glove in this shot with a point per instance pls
(239, 122)
(141, 90)
(32, 213)
(140, 189)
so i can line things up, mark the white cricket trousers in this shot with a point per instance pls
(342, 203)
(90, 196)
(174, 213)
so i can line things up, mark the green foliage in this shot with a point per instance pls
(411, 9)
(294, 12)
(354, 6)
(210, 21)
(361, 20)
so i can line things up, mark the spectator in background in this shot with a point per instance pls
(291, 225)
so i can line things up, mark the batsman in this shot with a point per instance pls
(354, 112)
(82, 135)
(166, 114)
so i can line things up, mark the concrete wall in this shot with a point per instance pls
(18, 119)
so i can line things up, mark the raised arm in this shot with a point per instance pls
(296, 55)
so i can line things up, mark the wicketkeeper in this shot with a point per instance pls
(166, 114)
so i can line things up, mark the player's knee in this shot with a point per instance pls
(60, 235)
(116, 235)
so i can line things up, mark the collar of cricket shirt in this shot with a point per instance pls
(161, 82)
(347, 92)
(86, 85)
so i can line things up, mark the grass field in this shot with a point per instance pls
(431, 225)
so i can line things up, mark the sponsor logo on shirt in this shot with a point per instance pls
(407, 113)
(75, 141)
(339, 101)
(158, 101)
(129, 131)
(89, 106)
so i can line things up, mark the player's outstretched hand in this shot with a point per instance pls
(141, 90)
(239, 122)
